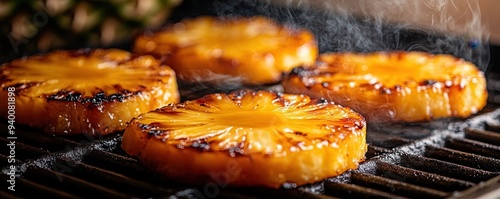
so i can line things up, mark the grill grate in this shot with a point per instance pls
(440, 159)
(395, 186)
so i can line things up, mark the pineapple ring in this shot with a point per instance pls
(395, 86)
(248, 138)
(86, 91)
(229, 52)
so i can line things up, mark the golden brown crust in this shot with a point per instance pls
(86, 91)
(258, 138)
(232, 51)
(394, 86)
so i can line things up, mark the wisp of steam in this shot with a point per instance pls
(436, 26)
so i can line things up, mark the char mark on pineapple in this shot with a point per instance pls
(301, 72)
(154, 129)
(237, 150)
(87, 52)
(429, 82)
(298, 71)
(96, 100)
(321, 101)
(385, 90)
(201, 145)
(156, 132)
(240, 93)
(355, 123)
(65, 95)
(20, 87)
(299, 133)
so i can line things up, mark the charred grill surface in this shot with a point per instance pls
(403, 161)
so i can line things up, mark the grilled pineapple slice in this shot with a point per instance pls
(85, 91)
(248, 138)
(394, 86)
(232, 51)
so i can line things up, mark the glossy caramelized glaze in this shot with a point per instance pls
(228, 51)
(394, 86)
(291, 136)
(86, 91)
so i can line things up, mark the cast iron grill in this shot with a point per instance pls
(439, 159)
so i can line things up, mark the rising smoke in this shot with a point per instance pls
(435, 26)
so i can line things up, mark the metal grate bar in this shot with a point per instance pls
(447, 169)
(282, 193)
(70, 183)
(38, 139)
(118, 181)
(23, 151)
(107, 158)
(492, 127)
(463, 158)
(6, 195)
(480, 191)
(344, 190)
(121, 164)
(233, 195)
(4, 160)
(472, 146)
(397, 187)
(421, 178)
(483, 136)
(403, 131)
(375, 151)
(385, 140)
(202, 193)
(50, 143)
(30, 188)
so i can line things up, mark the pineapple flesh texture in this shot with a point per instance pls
(230, 51)
(394, 86)
(259, 138)
(94, 92)
(35, 25)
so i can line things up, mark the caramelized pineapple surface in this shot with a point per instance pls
(394, 86)
(225, 52)
(85, 91)
(266, 138)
